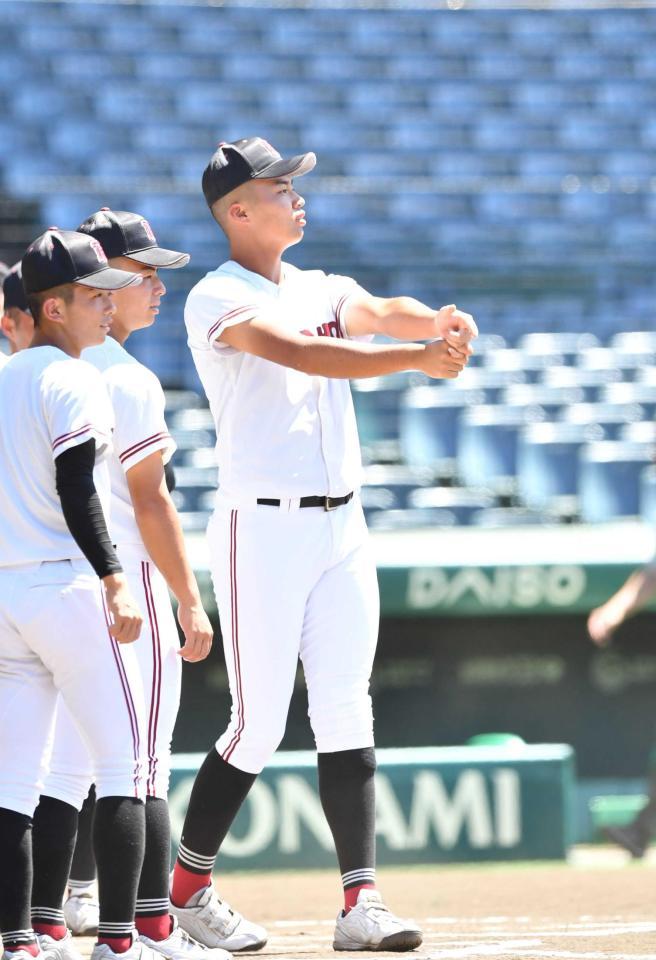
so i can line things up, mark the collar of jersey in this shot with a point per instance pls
(256, 279)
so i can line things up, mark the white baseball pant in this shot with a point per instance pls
(71, 769)
(54, 638)
(294, 582)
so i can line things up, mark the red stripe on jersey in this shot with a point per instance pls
(229, 316)
(138, 447)
(69, 436)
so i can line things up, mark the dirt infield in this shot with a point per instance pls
(598, 906)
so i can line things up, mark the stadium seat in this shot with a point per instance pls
(461, 502)
(389, 487)
(612, 417)
(410, 519)
(553, 400)
(648, 494)
(487, 445)
(510, 517)
(609, 479)
(548, 463)
(428, 425)
(377, 402)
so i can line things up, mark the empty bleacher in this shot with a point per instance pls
(501, 159)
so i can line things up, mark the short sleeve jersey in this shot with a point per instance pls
(280, 432)
(140, 429)
(50, 402)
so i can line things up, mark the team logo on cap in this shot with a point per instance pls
(148, 230)
(98, 250)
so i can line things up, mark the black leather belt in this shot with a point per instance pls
(328, 503)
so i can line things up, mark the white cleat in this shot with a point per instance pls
(371, 926)
(138, 951)
(81, 913)
(213, 923)
(180, 946)
(20, 954)
(63, 949)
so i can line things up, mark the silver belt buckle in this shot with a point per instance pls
(327, 504)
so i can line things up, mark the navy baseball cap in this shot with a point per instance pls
(66, 256)
(12, 287)
(249, 159)
(123, 234)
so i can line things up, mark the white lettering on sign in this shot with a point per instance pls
(501, 587)
(299, 805)
(479, 812)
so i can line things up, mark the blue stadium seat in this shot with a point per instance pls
(592, 382)
(648, 495)
(487, 445)
(428, 425)
(410, 519)
(552, 400)
(566, 345)
(511, 517)
(609, 479)
(548, 462)
(377, 402)
(389, 487)
(461, 502)
(611, 416)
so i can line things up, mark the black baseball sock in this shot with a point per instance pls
(53, 842)
(119, 831)
(348, 797)
(218, 792)
(16, 881)
(83, 868)
(152, 917)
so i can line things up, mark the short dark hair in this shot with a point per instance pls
(36, 300)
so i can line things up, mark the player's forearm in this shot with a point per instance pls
(346, 359)
(159, 525)
(405, 318)
(636, 592)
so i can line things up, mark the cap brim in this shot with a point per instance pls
(109, 278)
(294, 166)
(159, 257)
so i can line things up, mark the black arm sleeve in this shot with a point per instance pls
(169, 475)
(82, 508)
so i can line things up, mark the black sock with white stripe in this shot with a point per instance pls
(16, 880)
(83, 868)
(348, 798)
(218, 793)
(53, 842)
(119, 833)
(152, 916)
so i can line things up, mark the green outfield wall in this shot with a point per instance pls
(485, 630)
(433, 805)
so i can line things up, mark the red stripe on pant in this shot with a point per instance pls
(235, 636)
(127, 693)
(156, 684)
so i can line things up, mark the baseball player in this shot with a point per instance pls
(291, 563)
(603, 622)
(16, 320)
(81, 907)
(67, 617)
(146, 529)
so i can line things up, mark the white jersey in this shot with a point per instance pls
(3, 359)
(50, 402)
(138, 402)
(280, 432)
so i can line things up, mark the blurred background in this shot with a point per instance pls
(499, 156)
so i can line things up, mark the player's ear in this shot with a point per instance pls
(7, 325)
(237, 213)
(53, 309)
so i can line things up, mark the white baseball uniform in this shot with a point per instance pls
(290, 581)
(138, 403)
(53, 620)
